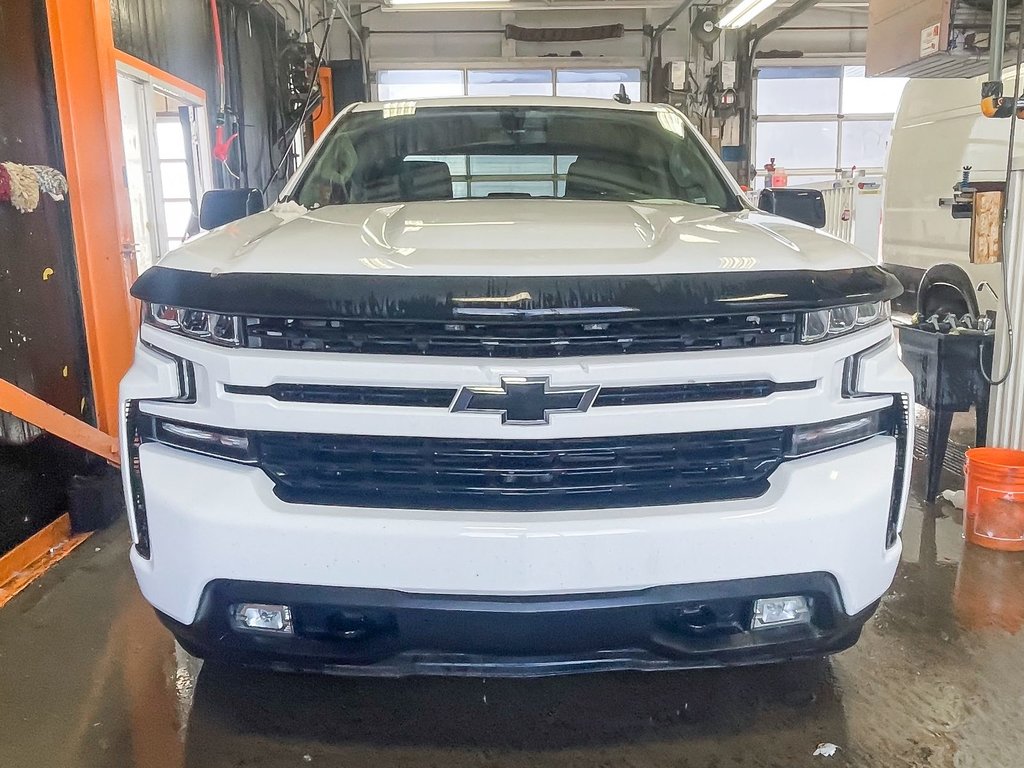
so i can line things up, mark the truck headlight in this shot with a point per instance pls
(837, 321)
(215, 328)
(230, 444)
(815, 438)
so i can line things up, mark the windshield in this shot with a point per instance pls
(402, 153)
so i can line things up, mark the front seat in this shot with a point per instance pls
(591, 179)
(426, 180)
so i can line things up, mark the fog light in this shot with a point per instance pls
(780, 611)
(265, 618)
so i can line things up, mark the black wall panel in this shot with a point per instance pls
(254, 39)
(42, 337)
(174, 35)
(177, 37)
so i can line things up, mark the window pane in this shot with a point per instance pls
(798, 91)
(170, 140)
(865, 143)
(419, 83)
(870, 95)
(178, 216)
(511, 165)
(796, 180)
(510, 82)
(564, 161)
(533, 188)
(456, 163)
(797, 144)
(460, 189)
(174, 180)
(598, 83)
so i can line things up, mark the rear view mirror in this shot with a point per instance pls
(222, 206)
(804, 205)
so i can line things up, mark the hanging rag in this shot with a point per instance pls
(5, 184)
(51, 181)
(24, 187)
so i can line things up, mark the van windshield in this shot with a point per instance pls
(402, 153)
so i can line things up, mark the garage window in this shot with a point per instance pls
(597, 83)
(818, 121)
(510, 82)
(420, 83)
(484, 175)
(603, 83)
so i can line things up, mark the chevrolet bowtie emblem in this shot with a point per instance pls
(525, 400)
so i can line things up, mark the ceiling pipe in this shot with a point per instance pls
(784, 17)
(997, 41)
(993, 103)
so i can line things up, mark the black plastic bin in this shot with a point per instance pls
(947, 379)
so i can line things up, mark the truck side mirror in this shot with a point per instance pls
(804, 205)
(222, 206)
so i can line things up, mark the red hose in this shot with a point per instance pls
(219, 48)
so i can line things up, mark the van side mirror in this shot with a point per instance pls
(804, 205)
(222, 206)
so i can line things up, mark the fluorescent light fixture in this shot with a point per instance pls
(744, 12)
(398, 3)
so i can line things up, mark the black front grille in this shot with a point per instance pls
(525, 337)
(427, 397)
(509, 475)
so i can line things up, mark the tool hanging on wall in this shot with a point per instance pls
(22, 185)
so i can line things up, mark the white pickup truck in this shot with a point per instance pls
(513, 387)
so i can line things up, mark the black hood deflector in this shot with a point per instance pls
(401, 297)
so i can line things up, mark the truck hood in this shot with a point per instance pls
(511, 238)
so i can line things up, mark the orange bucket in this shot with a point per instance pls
(994, 503)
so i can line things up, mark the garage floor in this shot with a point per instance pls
(89, 678)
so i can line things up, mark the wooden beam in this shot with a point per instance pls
(29, 408)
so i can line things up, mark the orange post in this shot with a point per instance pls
(325, 112)
(81, 38)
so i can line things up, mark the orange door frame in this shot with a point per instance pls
(159, 75)
(81, 38)
(85, 76)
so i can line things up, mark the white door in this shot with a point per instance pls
(138, 169)
(167, 162)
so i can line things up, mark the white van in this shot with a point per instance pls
(940, 129)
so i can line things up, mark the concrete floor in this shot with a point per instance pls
(89, 678)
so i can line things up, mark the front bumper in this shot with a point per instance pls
(210, 519)
(214, 522)
(383, 633)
